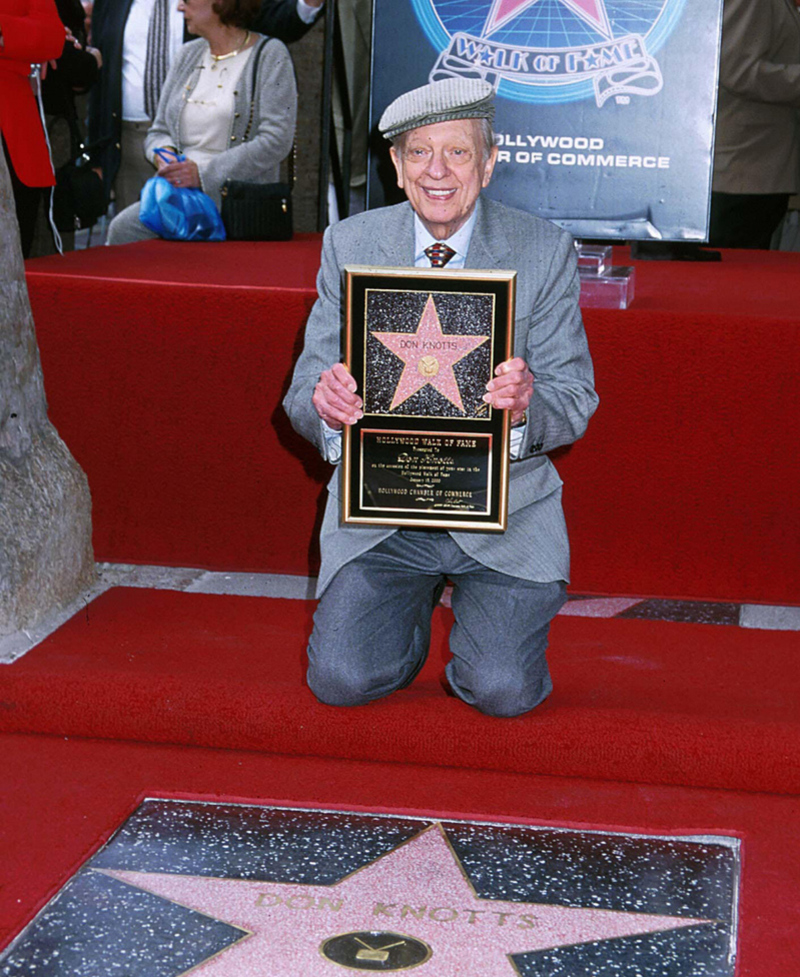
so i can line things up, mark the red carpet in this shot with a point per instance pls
(168, 392)
(165, 365)
(62, 799)
(635, 700)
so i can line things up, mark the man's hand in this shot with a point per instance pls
(335, 398)
(511, 388)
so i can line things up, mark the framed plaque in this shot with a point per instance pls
(422, 344)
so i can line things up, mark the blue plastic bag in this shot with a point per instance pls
(179, 213)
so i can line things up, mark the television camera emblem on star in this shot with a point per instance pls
(552, 51)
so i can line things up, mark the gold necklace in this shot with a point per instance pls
(216, 58)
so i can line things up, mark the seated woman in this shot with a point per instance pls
(209, 111)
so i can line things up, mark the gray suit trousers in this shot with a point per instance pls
(372, 628)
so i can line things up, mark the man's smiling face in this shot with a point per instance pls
(443, 167)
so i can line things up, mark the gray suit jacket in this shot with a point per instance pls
(549, 335)
(757, 146)
(271, 133)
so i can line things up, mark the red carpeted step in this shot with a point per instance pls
(634, 700)
(165, 367)
(63, 799)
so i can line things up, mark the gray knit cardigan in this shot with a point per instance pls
(271, 134)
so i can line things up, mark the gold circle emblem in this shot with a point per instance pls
(428, 366)
(376, 951)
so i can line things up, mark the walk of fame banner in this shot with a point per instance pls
(604, 109)
(421, 345)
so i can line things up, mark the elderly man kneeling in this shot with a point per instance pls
(378, 586)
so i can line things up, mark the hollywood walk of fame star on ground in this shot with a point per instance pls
(419, 889)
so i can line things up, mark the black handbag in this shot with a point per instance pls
(79, 199)
(258, 211)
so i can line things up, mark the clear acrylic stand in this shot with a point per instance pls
(603, 285)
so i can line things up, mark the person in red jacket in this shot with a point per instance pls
(30, 33)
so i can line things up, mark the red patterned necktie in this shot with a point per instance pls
(439, 254)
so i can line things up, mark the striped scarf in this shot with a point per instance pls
(157, 58)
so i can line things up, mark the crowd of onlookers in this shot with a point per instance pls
(117, 60)
(134, 76)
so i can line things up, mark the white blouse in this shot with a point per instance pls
(208, 110)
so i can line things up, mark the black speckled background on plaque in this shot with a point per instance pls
(98, 926)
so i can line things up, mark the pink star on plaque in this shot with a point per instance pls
(593, 12)
(428, 356)
(413, 907)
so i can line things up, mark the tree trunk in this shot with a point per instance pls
(46, 558)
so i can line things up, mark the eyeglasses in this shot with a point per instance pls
(455, 156)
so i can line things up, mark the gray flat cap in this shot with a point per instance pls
(440, 101)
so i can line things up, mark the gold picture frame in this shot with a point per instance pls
(422, 343)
